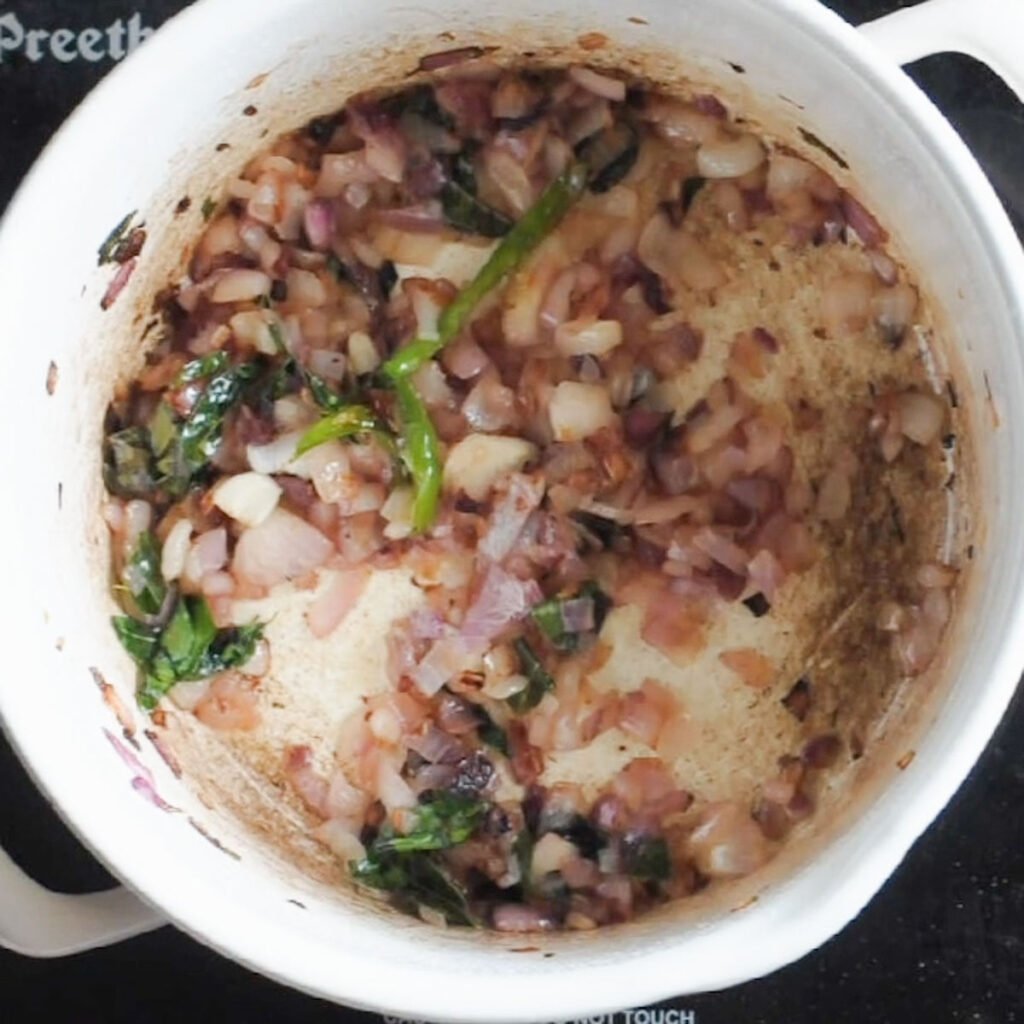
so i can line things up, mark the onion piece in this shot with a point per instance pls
(588, 337)
(728, 843)
(334, 602)
(750, 665)
(921, 416)
(175, 550)
(247, 498)
(578, 410)
(726, 157)
(605, 86)
(511, 512)
(479, 461)
(240, 286)
(282, 547)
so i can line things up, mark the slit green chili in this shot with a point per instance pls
(422, 452)
(526, 234)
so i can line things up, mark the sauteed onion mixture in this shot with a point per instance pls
(508, 331)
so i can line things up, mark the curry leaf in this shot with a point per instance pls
(647, 858)
(414, 880)
(464, 211)
(142, 576)
(128, 469)
(140, 641)
(201, 432)
(539, 681)
(201, 368)
(448, 820)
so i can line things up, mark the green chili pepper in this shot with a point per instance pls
(346, 422)
(422, 452)
(526, 234)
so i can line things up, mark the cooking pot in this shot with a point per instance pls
(176, 121)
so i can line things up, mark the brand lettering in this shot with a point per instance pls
(115, 41)
(643, 1016)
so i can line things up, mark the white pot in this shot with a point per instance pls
(136, 143)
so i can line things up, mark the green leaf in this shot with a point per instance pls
(178, 640)
(414, 880)
(647, 858)
(108, 249)
(201, 432)
(209, 207)
(448, 820)
(465, 212)
(191, 647)
(610, 155)
(140, 641)
(231, 648)
(142, 576)
(539, 681)
(201, 368)
(419, 101)
(491, 733)
(128, 469)
(549, 616)
(323, 394)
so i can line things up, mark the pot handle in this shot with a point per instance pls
(37, 922)
(991, 31)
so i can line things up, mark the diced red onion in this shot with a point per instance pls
(282, 547)
(921, 416)
(334, 602)
(511, 512)
(502, 600)
(605, 86)
(868, 230)
(319, 221)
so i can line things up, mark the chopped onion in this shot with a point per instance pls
(750, 665)
(282, 547)
(479, 461)
(921, 416)
(247, 497)
(846, 304)
(362, 353)
(605, 86)
(319, 223)
(511, 513)
(936, 576)
(728, 842)
(578, 410)
(551, 853)
(334, 602)
(273, 457)
(726, 157)
(834, 495)
(231, 704)
(588, 337)
(240, 286)
(175, 550)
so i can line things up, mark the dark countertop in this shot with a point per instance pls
(944, 940)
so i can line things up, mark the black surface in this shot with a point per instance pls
(943, 942)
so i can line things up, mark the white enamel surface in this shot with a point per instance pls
(116, 154)
(990, 30)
